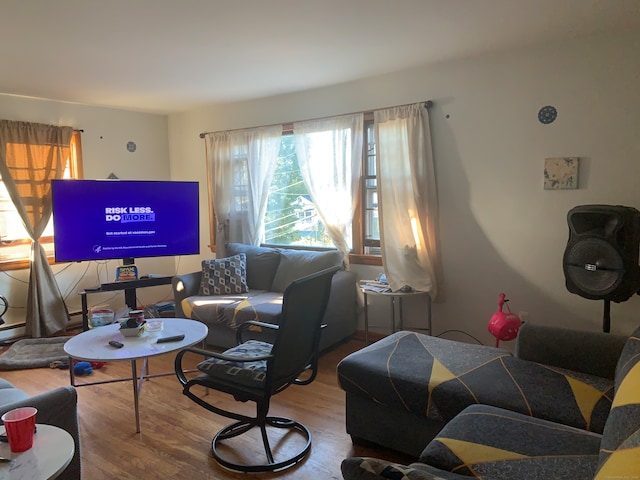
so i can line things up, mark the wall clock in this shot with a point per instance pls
(547, 114)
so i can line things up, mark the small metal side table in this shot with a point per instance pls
(396, 299)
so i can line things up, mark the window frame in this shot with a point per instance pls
(74, 163)
(357, 255)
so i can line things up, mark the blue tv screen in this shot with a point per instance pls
(124, 219)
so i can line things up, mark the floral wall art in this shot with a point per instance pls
(560, 173)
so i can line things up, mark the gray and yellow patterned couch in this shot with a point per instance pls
(566, 423)
(258, 277)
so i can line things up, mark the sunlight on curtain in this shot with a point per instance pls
(408, 204)
(240, 167)
(31, 155)
(329, 154)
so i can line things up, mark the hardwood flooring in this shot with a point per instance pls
(175, 437)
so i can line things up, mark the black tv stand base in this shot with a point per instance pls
(129, 287)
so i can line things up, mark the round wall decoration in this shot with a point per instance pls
(547, 114)
(131, 146)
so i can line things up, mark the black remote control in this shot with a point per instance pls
(115, 344)
(175, 338)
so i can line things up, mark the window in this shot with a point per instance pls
(291, 218)
(370, 224)
(15, 244)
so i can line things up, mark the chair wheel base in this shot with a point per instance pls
(240, 427)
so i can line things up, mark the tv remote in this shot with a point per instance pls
(115, 344)
(174, 338)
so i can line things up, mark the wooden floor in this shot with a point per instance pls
(175, 438)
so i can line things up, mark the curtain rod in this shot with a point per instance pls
(427, 104)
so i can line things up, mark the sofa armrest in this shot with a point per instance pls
(185, 285)
(58, 408)
(595, 353)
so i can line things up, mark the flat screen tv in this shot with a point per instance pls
(124, 219)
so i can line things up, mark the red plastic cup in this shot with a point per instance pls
(20, 425)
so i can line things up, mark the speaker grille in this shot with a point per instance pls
(594, 266)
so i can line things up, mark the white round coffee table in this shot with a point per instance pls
(93, 346)
(52, 451)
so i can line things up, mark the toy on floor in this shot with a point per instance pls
(504, 326)
(82, 368)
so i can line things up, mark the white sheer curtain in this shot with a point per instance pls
(407, 198)
(240, 168)
(329, 154)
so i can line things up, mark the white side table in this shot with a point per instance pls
(52, 451)
(396, 299)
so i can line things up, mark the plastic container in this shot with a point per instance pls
(100, 315)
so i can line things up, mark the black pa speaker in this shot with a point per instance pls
(601, 258)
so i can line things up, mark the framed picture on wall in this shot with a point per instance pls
(561, 173)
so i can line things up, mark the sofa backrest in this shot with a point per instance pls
(296, 264)
(273, 269)
(262, 263)
(620, 447)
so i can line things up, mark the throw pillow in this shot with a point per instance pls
(224, 276)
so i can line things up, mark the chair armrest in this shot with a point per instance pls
(183, 286)
(58, 408)
(252, 323)
(595, 353)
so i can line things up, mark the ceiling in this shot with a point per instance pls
(165, 56)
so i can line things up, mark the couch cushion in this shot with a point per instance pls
(620, 449)
(296, 264)
(224, 276)
(10, 394)
(233, 310)
(262, 263)
(490, 442)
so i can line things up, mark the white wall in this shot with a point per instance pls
(499, 230)
(106, 133)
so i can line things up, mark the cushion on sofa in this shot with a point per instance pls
(620, 448)
(9, 393)
(234, 310)
(224, 276)
(295, 264)
(490, 442)
(262, 263)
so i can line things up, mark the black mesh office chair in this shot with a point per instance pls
(255, 371)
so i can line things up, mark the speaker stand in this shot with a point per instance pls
(606, 318)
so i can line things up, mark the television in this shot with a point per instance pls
(124, 219)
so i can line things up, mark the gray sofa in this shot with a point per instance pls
(268, 273)
(57, 407)
(495, 442)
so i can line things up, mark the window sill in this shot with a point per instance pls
(355, 259)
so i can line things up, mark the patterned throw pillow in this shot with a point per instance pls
(224, 276)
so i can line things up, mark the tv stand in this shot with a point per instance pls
(129, 287)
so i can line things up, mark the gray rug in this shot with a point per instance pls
(33, 353)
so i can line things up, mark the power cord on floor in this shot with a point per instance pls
(460, 331)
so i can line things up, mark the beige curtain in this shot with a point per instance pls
(240, 166)
(31, 155)
(407, 202)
